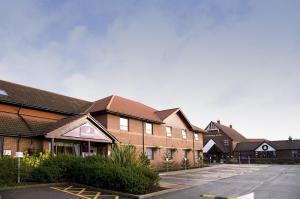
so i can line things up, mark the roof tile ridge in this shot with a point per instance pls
(110, 102)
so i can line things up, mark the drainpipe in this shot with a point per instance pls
(194, 147)
(144, 137)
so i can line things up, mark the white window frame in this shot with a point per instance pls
(124, 127)
(184, 134)
(169, 134)
(151, 155)
(196, 136)
(149, 128)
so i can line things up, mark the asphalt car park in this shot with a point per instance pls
(263, 181)
(57, 192)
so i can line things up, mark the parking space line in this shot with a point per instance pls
(97, 195)
(83, 192)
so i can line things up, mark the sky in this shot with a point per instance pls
(237, 61)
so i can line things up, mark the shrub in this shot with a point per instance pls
(185, 163)
(144, 160)
(8, 168)
(124, 155)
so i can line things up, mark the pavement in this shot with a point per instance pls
(264, 181)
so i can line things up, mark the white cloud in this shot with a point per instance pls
(236, 62)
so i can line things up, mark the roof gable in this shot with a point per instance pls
(265, 147)
(83, 127)
(229, 131)
(177, 118)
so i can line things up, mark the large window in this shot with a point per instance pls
(294, 154)
(149, 152)
(183, 133)
(149, 128)
(196, 136)
(67, 148)
(169, 131)
(169, 154)
(226, 142)
(124, 124)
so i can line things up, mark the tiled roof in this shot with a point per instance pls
(40, 99)
(125, 107)
(278, 145)
(196, 128)
(163, 114)
(15, 125)
(231, 132)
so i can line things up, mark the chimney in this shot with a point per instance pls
(230, 126)
(218, 121)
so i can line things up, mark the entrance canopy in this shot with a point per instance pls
(81, 128)
(211, 144)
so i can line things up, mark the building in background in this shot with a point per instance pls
(220, 141)
(36, 120)
(281, 149)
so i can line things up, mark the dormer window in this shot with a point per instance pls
(3, 92)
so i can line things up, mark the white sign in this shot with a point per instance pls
(7, 152)
(265, 147)
(19, 154)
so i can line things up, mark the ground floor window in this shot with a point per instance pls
(67, 148)
(295, 154)
(197, 154)
(265, 154)
(169, 154)
(149, 153)
(184, 153)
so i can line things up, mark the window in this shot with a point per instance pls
(183, 132)
(184, 153)
(169, 131)
(196, 155)
(294, 154)
(196, 136)
(226, 142)
(149, 128)
(149, 152)
(169, 154)
(124, 124)
(3, 92)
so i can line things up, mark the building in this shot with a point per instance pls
(281, 149)
(220, 141)
(36, 120)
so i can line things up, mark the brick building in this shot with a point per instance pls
(220, 141)
(280, 149)
(37, 120)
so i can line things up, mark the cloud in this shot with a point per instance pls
(235, 61)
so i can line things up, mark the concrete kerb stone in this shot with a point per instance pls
(26, 186)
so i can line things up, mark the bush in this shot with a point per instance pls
(185, 163)
(8, 168)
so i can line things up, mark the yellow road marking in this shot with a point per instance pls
(97, 195)
(80, 192)
(70, 193)
(67, 188)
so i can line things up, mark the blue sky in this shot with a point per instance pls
(237, 61)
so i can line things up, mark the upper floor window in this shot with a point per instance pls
(169, 131)
(226, 142)
(124, 124)
(149, 153)
(183, 133)
(196, 136)
(149, 128)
